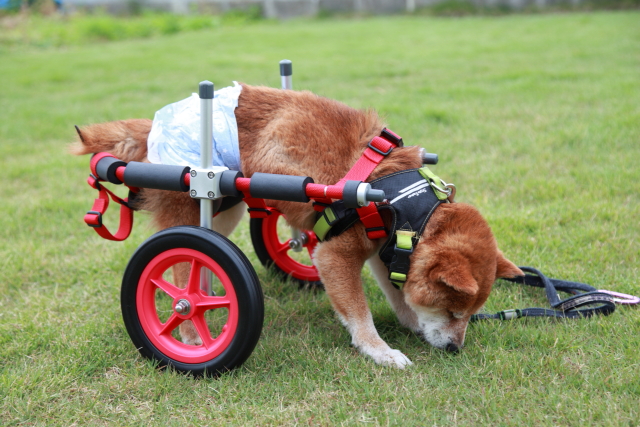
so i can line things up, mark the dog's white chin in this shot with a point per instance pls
(433, 325)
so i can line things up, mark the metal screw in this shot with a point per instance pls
(210, 194)
(183, 307)
(304, 238)
(294, 244)
(211, 175)
(194, 173)
(193, 193)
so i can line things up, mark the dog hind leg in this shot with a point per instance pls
(225, 222)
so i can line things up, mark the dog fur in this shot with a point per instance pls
(298, 133)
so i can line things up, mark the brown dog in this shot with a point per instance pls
(298, 133)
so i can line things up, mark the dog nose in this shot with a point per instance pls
(452, 348)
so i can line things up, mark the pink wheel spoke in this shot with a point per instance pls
(284, 248)
(167, 287)
(171, 323)
(203, 330)
(211, 303)
(194, 277)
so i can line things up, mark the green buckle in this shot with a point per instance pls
(404, 239)
(324, 223)
(397, 277)
(439, 186)
(404, 242)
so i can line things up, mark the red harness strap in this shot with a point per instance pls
(93, 218)
(376, 151)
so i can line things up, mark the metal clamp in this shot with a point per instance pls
(205, 183)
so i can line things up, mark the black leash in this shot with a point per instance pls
(585, 302)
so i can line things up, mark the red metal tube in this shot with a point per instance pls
(120, 173)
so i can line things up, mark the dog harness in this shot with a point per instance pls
(412, 197)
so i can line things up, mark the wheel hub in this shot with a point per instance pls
(182, 307)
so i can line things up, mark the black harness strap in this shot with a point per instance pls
(597, 302)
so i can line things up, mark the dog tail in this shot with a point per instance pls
(125, 139)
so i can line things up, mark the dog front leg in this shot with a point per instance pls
(339, 262)
(406, 315)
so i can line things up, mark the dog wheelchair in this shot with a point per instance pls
(222, 297)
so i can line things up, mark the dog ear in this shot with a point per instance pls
(456, 273)
(506, 269)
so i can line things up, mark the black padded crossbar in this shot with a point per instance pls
(160, 177)
(106, 169)
(228, 183)
(279, 187)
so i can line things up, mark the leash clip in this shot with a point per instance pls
(622, 299)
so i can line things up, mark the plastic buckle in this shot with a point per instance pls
(510, 314)
(400, 262)
(266, 212)
(94, 182)
(98, 219)
(392, 137)
(372, 229)
(379, 151)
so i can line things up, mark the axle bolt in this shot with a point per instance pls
(194, 173)
(295, 244)
(210, 194)
(211, 175)
(193, 193)
(182, 307)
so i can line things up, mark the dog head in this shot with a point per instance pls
(453, 268)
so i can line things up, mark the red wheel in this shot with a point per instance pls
(274, 249)
(189, 303)
(171, 320)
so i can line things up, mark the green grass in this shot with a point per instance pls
(537, 121)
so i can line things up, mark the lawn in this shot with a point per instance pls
(536, 119)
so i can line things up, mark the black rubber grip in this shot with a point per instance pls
(375, 195)
(106, 169)
(205, 90)
(350, 194)
(279, 187)
(286, 68)
(159, 177)
(429, 158)
(228, 183)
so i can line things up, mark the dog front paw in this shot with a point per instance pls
(189, 334)
(391, 357)
(192, 341)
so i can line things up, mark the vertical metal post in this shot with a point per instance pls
(206, 161)
(286, 71)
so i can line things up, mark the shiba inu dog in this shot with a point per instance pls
(454, 261)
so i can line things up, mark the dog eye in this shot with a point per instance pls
(457, 315)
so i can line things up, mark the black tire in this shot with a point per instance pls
(242, 299)
(265, 242)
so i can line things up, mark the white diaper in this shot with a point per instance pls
(175, 133)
